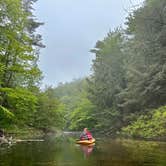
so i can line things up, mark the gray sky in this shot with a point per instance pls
(71, 29)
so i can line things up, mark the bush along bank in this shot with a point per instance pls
(150, 126)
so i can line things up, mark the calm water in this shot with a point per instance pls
(64, 152)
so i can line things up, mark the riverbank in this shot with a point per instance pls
(30, 133)
(26, 134)
(14, 135)
(33, 133)
(139, 138)
(22, 133)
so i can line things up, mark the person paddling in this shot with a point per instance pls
(86, 135)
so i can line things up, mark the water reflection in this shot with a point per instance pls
(87, 149)
(64, 152)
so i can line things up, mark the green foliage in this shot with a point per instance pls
(21, 102)
(78, 110)
(6, 117)
(108, 79)
(82, 116)
(19, 73)
(146, 57)
(49, 114)
(18, 56)
(148, 126)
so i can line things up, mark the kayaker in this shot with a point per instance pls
(86, 135)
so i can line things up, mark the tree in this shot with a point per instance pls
(147, 58)
(108, 79)
(83, 115)
(19, 73)
(49, 115)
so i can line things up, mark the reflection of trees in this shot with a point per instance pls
(64, 151)
(130, 153)
(143, 151)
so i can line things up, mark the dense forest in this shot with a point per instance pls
(126, 93)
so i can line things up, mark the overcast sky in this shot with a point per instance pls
(71, 29)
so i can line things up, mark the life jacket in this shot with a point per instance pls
(86, 136)
(89, 135)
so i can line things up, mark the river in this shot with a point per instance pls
(63, 151)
